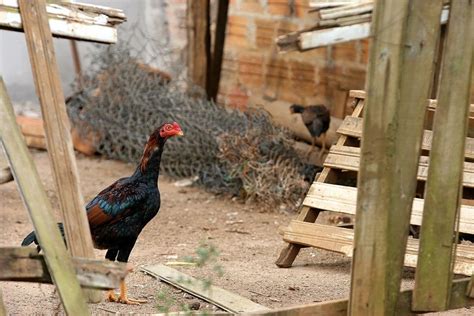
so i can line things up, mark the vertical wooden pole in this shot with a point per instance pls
(57, 259)
(57, 129)
(444, 184)
(77, 63)
(213, 78)
(3, 309)
(404, 38)
(199, 40)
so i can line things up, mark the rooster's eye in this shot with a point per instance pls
(168, 127)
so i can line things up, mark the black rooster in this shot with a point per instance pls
(317, 119)
(118, 214)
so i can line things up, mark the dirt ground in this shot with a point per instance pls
(247, 239)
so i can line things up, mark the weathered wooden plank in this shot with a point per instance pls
(431, 103)
(352, 126)
(315, 39)
(26, 265)
(214, 77)
(57, 128)
(341, 240)
(226, 300)
(199, 42)
(348, 158)
(442, 194)
(338, 198)
(69, 21)
(400, 53)
(3, 309)
(39, 208)
(339, 307)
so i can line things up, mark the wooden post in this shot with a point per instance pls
(3, 309)
(57, 128)
(58, 260)
(404, 37)
(444, 184)
(77, 63)
(213, 78)
(199, 42)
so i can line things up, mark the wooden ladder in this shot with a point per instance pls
(328, 194)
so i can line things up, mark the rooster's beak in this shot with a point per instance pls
(180, 133)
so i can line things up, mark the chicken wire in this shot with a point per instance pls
(243, 154)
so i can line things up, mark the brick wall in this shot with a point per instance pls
(253, 66)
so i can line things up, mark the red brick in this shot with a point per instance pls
(302, 71)
(252, 6)
(344, 52)
(265, 33)
(301, 8)
(237, 32)
(237, 98)
(364, 51)
(279, 7)
(251, 70)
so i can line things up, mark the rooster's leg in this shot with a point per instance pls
(124, 299)
(323, 145)
(111, 297)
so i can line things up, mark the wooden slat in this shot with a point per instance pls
(442, 194)
(338, 198)
(3, 309)
(341, 240)
(339, 307)
(57, 128)
(58, 260)
(348, 158)
(26, 265)
(401, 53)
(214, 76)
(199, 49)
(333, 36)
(226, 300)
(83, 22)
(430, 103)
(352, 126)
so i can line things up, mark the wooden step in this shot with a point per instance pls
(352, 126)
(338, 198)
(341, 239)
(431, 103)
(348, 158)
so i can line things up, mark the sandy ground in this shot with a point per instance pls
(246, 238)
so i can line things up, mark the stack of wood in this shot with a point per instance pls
(335, 22)
(70, 20)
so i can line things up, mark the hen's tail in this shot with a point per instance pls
(31, 238)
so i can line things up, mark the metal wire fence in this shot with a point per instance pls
(123, 100)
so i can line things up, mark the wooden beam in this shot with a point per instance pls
(199, 43)
(26, 265)
(339, 307)
(57, 128)
(341, 240)
(348, 158)
(228, 301)
(400, 54)
(343, 199)
(3, 309)
(444, 185)
(75, 21)
(332, 36)
(39, 208)
(352, 126)
(213, 78)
